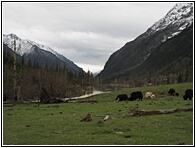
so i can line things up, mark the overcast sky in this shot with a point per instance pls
(85, 32)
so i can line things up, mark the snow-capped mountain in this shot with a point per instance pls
(171, 38)
(38, 53)
(180, 14)
(179, 18)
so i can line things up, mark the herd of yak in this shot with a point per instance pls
(137, 95)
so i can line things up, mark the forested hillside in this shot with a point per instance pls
(44, 83)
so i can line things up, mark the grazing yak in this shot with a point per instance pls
(188, 94)
(149, 95)
(122, 97)
(106, 117)
(171, 92)
(136, 95)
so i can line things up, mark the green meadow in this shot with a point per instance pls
(60, 124)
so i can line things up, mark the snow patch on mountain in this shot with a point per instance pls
(178, 18)
(27, 47)
(181, 14)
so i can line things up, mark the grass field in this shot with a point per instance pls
(59, 124)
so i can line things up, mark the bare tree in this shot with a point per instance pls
(15, 87)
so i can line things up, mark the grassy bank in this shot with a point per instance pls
(59, 124)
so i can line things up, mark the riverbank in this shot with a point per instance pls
(86, 96)
(65, 99)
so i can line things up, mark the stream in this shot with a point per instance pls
(95, 92)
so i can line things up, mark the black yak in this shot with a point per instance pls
(136, 95)
(188, 94)
(122, 97)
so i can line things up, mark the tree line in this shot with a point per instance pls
(42, 83)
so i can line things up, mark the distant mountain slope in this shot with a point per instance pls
(11, 52)
(170, 53)
(161, 46)
(39, 53)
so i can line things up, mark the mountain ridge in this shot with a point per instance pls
(39, 53)
(136, 52)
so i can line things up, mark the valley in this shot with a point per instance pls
(48, 100)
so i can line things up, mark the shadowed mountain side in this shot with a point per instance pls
(173, 56)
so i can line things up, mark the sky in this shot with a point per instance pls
(87, 33)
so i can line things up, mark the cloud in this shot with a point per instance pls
(85, 32)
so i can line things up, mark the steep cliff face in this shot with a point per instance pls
(151, 49)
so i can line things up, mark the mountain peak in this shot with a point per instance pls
(181, 15)
(169, 38)
(38, 52)
(12, 35)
